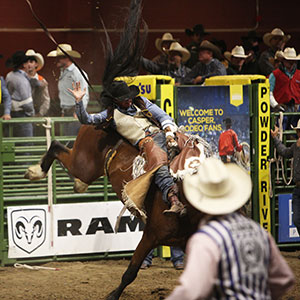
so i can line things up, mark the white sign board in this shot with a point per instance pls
(70, 229)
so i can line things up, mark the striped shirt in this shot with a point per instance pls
(232, 257)
(245, 254)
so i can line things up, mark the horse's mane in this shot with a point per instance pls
(124, 60)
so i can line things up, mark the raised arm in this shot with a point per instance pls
(81, 113)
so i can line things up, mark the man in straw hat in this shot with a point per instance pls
(292, 152)
(275, 40)
(284, 83)
(208, 64)
(19, 87)
(196, 34)
(40, 92)
(69, 73)
(174, 67)
(162, 45)
(230, 256)
(236, 59)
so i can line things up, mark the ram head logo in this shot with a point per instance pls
(29, 229)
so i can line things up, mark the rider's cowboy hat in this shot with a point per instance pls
(67, 48)
(275, 32)
(167, 37)
(37, 56)
(237, 51)
(17, 59)
(206, 45)
(217, 188)
(185, 53)
(288, 54)
(197, 29)
(119, 90)
(297, 127)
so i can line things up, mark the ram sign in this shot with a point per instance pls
(70, 229)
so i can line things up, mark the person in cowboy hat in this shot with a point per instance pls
(69, 73)
(162, 45)
(126, 110)
(230, 255)
(176, 57)
(284, 84)
(236, 59)
(19, 87)
(40, 92)
(250, 66)
(253, 40)
(196, 34)
(292, 152)
(207, 66)
(275, 40)
(5, 99)
(228, 143)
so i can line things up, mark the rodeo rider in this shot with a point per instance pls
(140, 122)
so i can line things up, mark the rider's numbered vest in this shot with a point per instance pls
(133, 128)
(245, 254)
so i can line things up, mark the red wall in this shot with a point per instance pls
(224, 19)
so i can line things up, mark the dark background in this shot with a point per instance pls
(77, 22)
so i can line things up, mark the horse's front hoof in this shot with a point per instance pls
(34, 173)
(112, 296)
(80, 186)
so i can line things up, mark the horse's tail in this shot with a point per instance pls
(125, 59)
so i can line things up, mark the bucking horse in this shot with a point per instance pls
(97, 152)
(89, 159)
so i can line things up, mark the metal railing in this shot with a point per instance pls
(17, 154)
(278, 172)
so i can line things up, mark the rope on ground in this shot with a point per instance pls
(36, 268)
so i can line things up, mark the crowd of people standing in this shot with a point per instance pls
(25, 92)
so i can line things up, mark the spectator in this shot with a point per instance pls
(162, 45)
(40, 92)
(174, 67)
(69, 73)
(221, 44)
(253, 41)
(18, 85)
(275, 40)
(292, 152)
(197, 34)
(228, 143)
(284, 81)
(207, 66)
(230, 256)
(177, 256)
(236, 59)
(5, 99)
(250, 65)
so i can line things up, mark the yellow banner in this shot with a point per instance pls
(236, 94)
(167, 99)
(147, 83)
(263, 146)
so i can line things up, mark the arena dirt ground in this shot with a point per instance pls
(95, 279)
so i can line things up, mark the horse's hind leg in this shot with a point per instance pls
(130, 274)
(56, 150)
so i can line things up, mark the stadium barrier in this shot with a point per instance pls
(200, 110)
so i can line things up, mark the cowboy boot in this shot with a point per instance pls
(176, 206)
